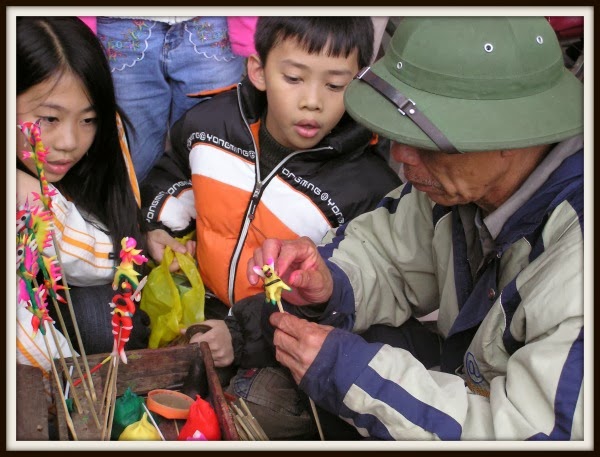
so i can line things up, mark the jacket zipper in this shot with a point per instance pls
(254, 200)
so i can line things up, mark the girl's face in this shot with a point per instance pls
(68, 123)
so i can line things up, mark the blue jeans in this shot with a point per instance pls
(155, 65)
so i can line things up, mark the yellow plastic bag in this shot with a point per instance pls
(172, 300)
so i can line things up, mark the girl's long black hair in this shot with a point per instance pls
(99, 183)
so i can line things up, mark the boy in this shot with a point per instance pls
(275, 156)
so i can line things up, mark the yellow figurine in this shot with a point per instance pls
(141, 430)
(273, 283)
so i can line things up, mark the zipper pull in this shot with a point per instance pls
(253, 203)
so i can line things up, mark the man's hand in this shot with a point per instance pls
(300, 266)
(159, 239)
(219, 342)
(297, 342)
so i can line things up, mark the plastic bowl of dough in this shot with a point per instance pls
(169, 403)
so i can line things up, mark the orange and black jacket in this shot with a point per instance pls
(210, 180)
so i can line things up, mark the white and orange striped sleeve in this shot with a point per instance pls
(84, 245)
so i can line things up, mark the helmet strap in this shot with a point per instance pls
(407, 108)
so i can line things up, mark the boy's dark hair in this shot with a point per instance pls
(341, 35)
(99, 183)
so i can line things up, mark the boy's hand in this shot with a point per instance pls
(219, 342)
(299, 265)
(159, 239)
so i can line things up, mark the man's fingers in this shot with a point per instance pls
(287, 323)
(287, 360)
(287, 353)
(301, 279)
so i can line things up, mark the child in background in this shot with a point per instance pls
(241, 34)
(64, 81)
(90, 21)
(242, 28)
(155, 63)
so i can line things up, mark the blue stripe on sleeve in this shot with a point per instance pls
(342, 358)
(407, 189)
(389, 203)
(565, 401)
(419, 413)
(343, 361)
(368, 422)
(569, 385)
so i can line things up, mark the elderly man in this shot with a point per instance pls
(488, 231)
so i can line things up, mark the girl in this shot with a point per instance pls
(63, 80)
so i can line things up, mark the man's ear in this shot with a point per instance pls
(256, 72)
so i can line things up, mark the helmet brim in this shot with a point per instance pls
(472, 125)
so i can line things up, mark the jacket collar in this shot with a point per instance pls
(536, 188)
(564, 183)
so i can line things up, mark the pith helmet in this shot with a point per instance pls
(471, 83)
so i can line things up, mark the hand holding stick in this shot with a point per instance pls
(273, 288)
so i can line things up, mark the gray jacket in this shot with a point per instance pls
(509, 292)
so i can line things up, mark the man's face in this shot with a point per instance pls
(305, 93)
(451, 179)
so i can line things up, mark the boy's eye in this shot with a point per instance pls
(336, 87)
(291, 79)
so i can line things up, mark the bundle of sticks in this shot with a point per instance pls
(246, 424)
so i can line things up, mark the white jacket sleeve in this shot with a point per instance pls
(531, 369)
(85, 248)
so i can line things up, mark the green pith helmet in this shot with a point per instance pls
(483, 83)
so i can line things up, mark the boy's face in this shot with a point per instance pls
(305, 93)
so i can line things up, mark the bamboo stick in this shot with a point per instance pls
(65, 369)
(75, 326)
(312, 403)
(113, 401)
(106, 386)
(111, 391)
(244, 427)
(314, 410)
(259, 430)
(242, 434)
(62, 358)
(155, 425)
(59, 389)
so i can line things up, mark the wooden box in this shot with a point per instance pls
(146, 370)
